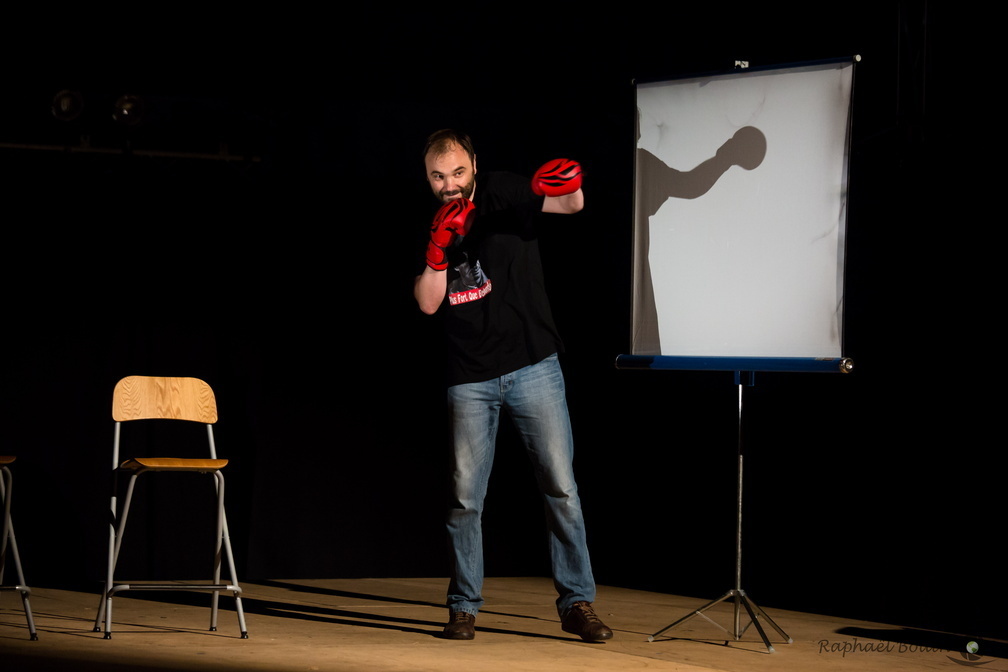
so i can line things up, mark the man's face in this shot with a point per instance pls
(451, 174)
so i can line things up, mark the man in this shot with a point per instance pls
(482, 267)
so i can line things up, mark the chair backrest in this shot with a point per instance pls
(162, 397)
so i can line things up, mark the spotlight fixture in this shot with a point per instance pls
(128, 110)
(67, 105)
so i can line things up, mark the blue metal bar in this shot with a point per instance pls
(796, 364)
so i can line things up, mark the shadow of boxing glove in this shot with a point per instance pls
(451, 221)
(558, 177)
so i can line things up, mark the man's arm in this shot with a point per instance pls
(564, 205)
(452, 220)
(429, 289)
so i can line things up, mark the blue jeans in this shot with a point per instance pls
(535, 399)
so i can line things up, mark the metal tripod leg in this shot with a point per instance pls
(741, 600)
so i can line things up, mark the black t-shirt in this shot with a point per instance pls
(497, 313)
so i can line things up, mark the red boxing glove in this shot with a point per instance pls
(453, 219)
(557, 178)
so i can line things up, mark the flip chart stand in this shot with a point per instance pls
(737, 595)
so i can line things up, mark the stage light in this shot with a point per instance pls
(128, 110)
(67, 105)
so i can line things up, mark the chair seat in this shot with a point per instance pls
(173, 464)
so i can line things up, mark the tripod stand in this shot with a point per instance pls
(739, 597)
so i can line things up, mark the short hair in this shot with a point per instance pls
(442, 141)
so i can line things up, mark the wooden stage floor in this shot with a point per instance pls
(394, 624)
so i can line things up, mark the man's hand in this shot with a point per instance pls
(557, 178)
(452, 220)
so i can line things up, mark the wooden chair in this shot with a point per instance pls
(6, 484)
(151, 398)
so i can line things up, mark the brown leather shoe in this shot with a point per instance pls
(580, 619)
(461, 625)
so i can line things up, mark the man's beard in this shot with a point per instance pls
(465, 191)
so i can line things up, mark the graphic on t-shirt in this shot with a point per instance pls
(472, 284)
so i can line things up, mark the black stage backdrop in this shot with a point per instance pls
(258, 229)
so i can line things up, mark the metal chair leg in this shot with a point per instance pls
(6, 486)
